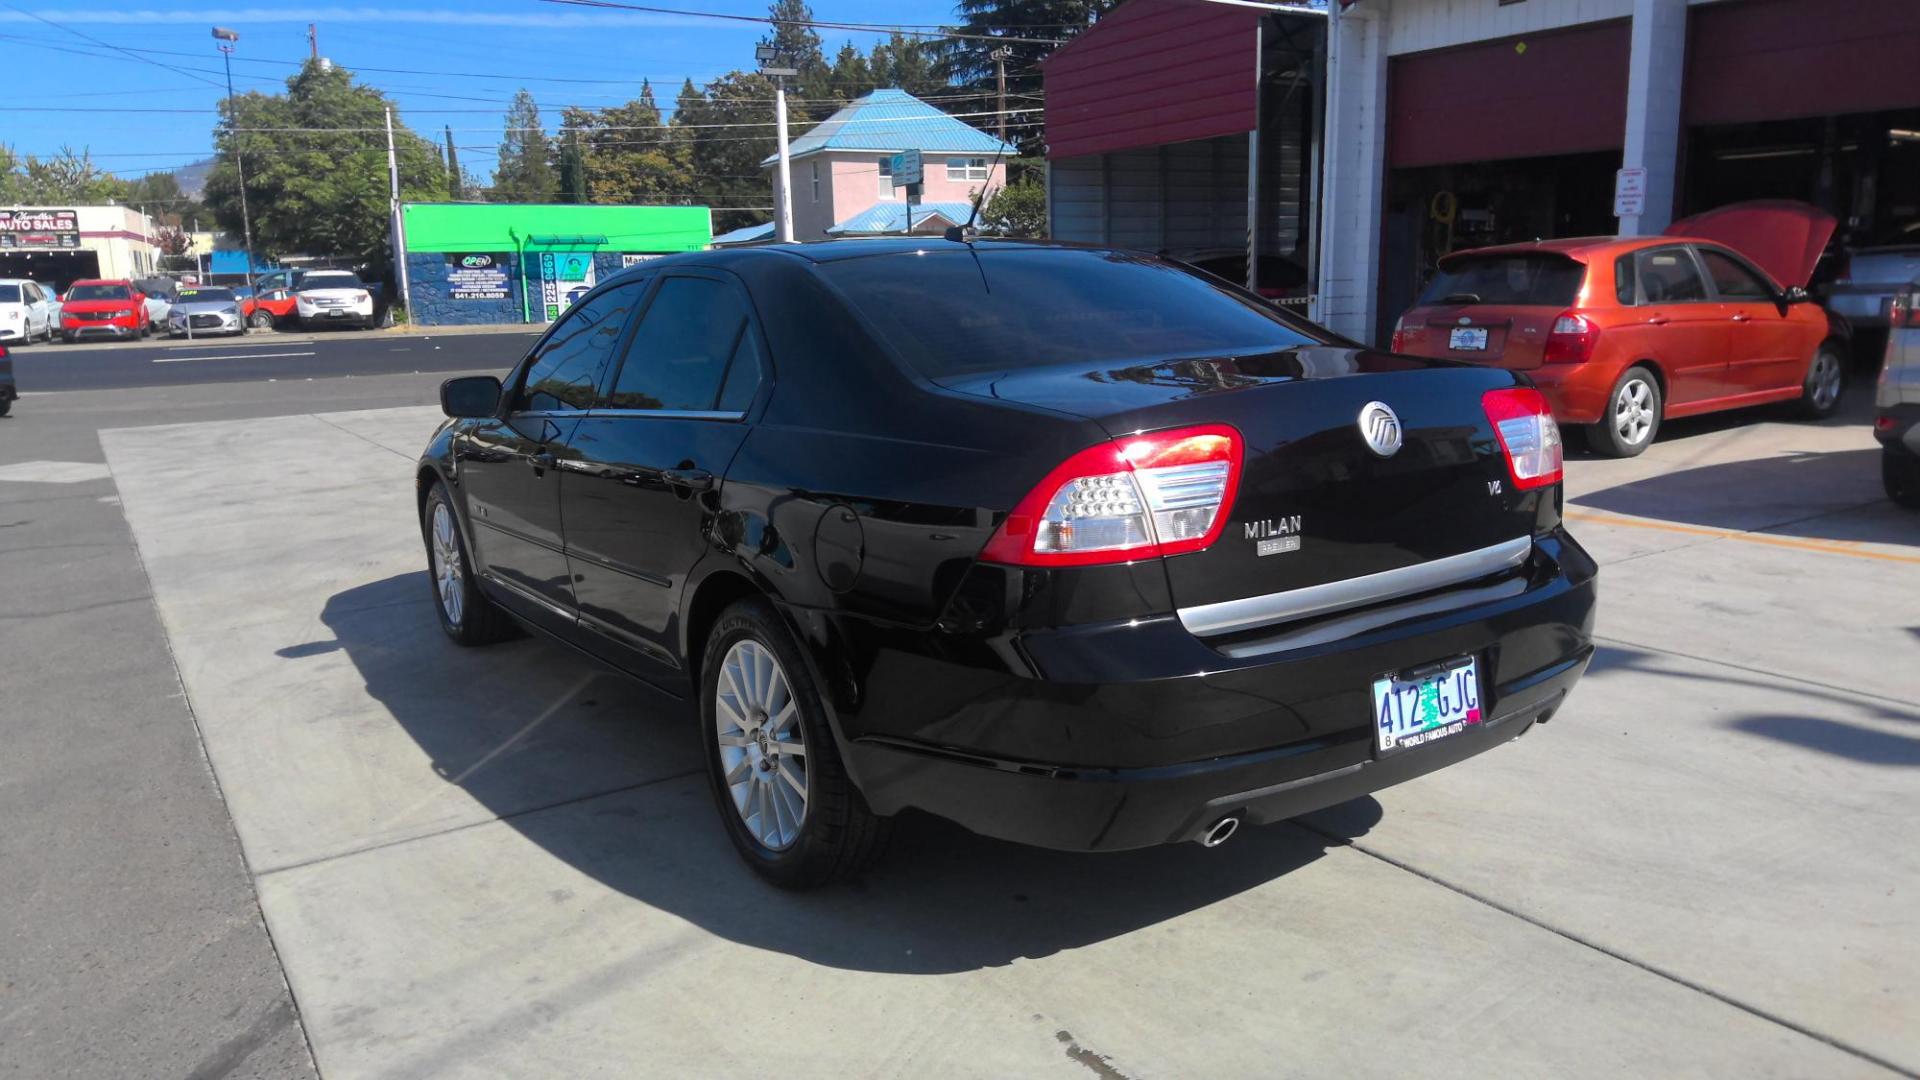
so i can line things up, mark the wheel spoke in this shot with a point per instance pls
(792, 779)
(793, 748)
(783, 719)
(740, 770)
(734, 740)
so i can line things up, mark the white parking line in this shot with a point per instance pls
(229, 356)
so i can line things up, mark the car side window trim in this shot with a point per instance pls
(517, 378)
(1765, 281)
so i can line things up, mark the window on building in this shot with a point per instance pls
(884, 188)
(967, 168)
(816, 181)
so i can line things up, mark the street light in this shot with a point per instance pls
(778, 66)
(227, 39)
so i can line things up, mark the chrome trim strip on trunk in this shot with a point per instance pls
(1255, 611)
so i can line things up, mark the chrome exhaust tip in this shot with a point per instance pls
(1220, 831)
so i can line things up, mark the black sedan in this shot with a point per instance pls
(1073, 547)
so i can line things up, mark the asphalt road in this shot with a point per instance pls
(161, 362)
(132, 942)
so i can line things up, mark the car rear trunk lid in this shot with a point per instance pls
(1315, 505)
(1513, 337)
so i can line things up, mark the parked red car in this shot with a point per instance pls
(270, 308)
(103, 308)
(1622, 332)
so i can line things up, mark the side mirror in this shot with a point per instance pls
(1797, 295)
(470, 397)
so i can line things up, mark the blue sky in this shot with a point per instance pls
(592, 57)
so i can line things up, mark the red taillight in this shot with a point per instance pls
(1161, 493)
(1399, 343)
(1528, 435)
(1571, 340)
(1906, 309)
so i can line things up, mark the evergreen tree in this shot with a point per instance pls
(904, 63)
(573, 159)
(725, 161)
(525, 172)
(455, 177)
(968, 62)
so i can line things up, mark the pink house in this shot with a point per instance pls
(842, 181)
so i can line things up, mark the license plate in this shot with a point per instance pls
(336, 313)
(1432, 705)
(1467, 338)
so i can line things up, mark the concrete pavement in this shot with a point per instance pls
(501, 862)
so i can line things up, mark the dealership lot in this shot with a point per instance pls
(503, 862)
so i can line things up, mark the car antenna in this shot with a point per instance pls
(958, 233)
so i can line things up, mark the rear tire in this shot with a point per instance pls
(465, 613)
(1632, 419)
(1900, 474)
(6, 406)
(261, 320)
(1826, 383)
(783, 794)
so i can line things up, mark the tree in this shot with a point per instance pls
(725, 161)
(631, 156)
(1017, 210)
(968, 61)
(903, 63)
(456, 176)
(316, 167)
(69, 176)
(573, 160)
(525, 172)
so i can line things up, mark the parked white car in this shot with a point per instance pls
(333, 298)
(28, 311)
(1896, 421)
(159, 294)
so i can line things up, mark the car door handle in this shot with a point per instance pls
(691, 479)
(1743, 318)
(542, 461)
(1658, 320)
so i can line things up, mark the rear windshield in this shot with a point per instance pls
(949, 313)
(99, 292)
(203, 296)
(9, 294)
(1520, 280)
(327, 281)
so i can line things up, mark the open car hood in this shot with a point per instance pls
(1781, 236)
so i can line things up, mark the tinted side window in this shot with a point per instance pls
(1731, 280)
(743, 374)
(1668, 276)
(566, 374)
(690, 334)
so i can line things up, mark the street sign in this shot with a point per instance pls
(1630, 192)
(907, 167)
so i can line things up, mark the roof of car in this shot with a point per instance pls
(861, 247)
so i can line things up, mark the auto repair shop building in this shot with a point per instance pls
(474, 263)
(1452, 124)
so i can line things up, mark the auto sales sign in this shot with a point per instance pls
(23, 229)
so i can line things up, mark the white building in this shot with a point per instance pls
(57, 245)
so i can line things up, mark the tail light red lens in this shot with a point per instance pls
(1527, 434)
(1161, 493)
(1399, 343)
(1571, 340)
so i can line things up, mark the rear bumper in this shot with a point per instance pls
(1577, 393)
(1313, 704)
(1863, 305)
(1898, 428)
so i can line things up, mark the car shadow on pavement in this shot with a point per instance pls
(603, 774)
(1801, 494)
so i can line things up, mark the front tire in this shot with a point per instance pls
(466, 614)
(261, 320)
(1826, 383)
(1900, 474)
(6, 406)
(783, 795)
(1633, 415)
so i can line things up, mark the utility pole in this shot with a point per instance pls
(399, 226)
(313, 42)
(778, 66)
(1000, 57)
(227, 39)
(453, 168)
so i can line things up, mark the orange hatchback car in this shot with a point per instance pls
(1622, 332)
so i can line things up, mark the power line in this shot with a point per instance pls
(912, 30)
(116, 48)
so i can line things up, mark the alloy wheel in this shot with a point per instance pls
(447, 568)
(763, 754)
(1633, 412)
(1826, 379)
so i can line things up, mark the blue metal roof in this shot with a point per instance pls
(891, 217)
(894, 120)
(751, 234)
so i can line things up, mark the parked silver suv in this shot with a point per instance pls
(1874, 272)
(1896, 421)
